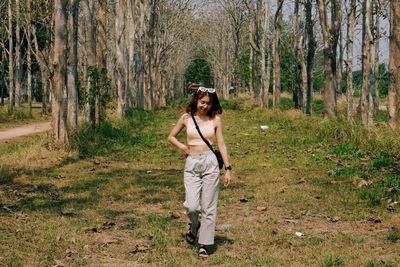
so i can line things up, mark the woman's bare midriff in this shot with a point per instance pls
(198, 149)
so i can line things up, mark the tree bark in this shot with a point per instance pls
(264, 45)
(394, 66)
(366, 96)
(276, 100)
(59, 103)
(18, 58)
(349, 62)
(92, 110)
(310, 58)
(29, 56)
(119, 53)
(377, 37)
(329, 79)
(10, 58)
(130, 94)
(301, 64)
(73, 65)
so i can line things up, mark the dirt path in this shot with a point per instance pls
(24, 130)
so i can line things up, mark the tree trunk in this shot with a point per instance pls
(339, 66)
(349, 63)
(59, 103)
(276, 101)
(90, 46)
(264, 45)
(336, 21)
(44, 69)
(251, 71)
(377, 37)
(18, 59)
(394, 66)
(366, 97)
(29, 56)
(310, 58)
(119, 54)
(73, 65)
(329, 80)
(130, 95)
(301, 65)
(10, 59)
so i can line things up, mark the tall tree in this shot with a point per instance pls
(59, 103)
(329, 31)
(276, 44)
(235, 10)
(72, 69)
(351, 17)
(394, 66)
(18, 58)
(264, 49)
(43, 48)
(119, 54)
(10, 58)
(29, 54)
(301, 72)
(366, 101)
(311, 46)
(376, 37)
(92, 111)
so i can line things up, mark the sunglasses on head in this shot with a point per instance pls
(204, 89)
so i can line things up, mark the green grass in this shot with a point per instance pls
(393, 235)
(20, 116)
(116, 198)
(333, 261)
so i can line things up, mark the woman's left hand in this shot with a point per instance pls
(227, 178)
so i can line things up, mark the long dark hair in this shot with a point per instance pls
(215, 105)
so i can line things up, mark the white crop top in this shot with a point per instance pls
(207, 130)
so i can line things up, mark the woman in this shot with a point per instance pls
(201, 173)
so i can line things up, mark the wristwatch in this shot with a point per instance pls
(228, 168)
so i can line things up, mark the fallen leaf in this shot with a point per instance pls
(363, 183)
(302, 180)
(90, 230)
(283, 190)
(260, 208)
(140, 248)
(175, 214)
(375, 220)
(58, 264)
(108, 225)
(333, 219)
(291, 221)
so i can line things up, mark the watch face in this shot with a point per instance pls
(228, 168)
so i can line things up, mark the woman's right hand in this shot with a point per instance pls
(184, 149)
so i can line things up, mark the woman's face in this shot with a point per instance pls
(204, 104)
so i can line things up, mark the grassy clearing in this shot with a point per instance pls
(20, 116)
(117, 199)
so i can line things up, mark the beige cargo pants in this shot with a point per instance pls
(201, 178)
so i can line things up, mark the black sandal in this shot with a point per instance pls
(203, 252)
(189, 236)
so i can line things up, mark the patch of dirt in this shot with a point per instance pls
(24, 130)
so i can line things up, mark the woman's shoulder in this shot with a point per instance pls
(184, 118)
(216, 119)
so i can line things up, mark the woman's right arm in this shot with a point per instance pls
(173, 134)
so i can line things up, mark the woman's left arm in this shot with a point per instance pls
(223, 149)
